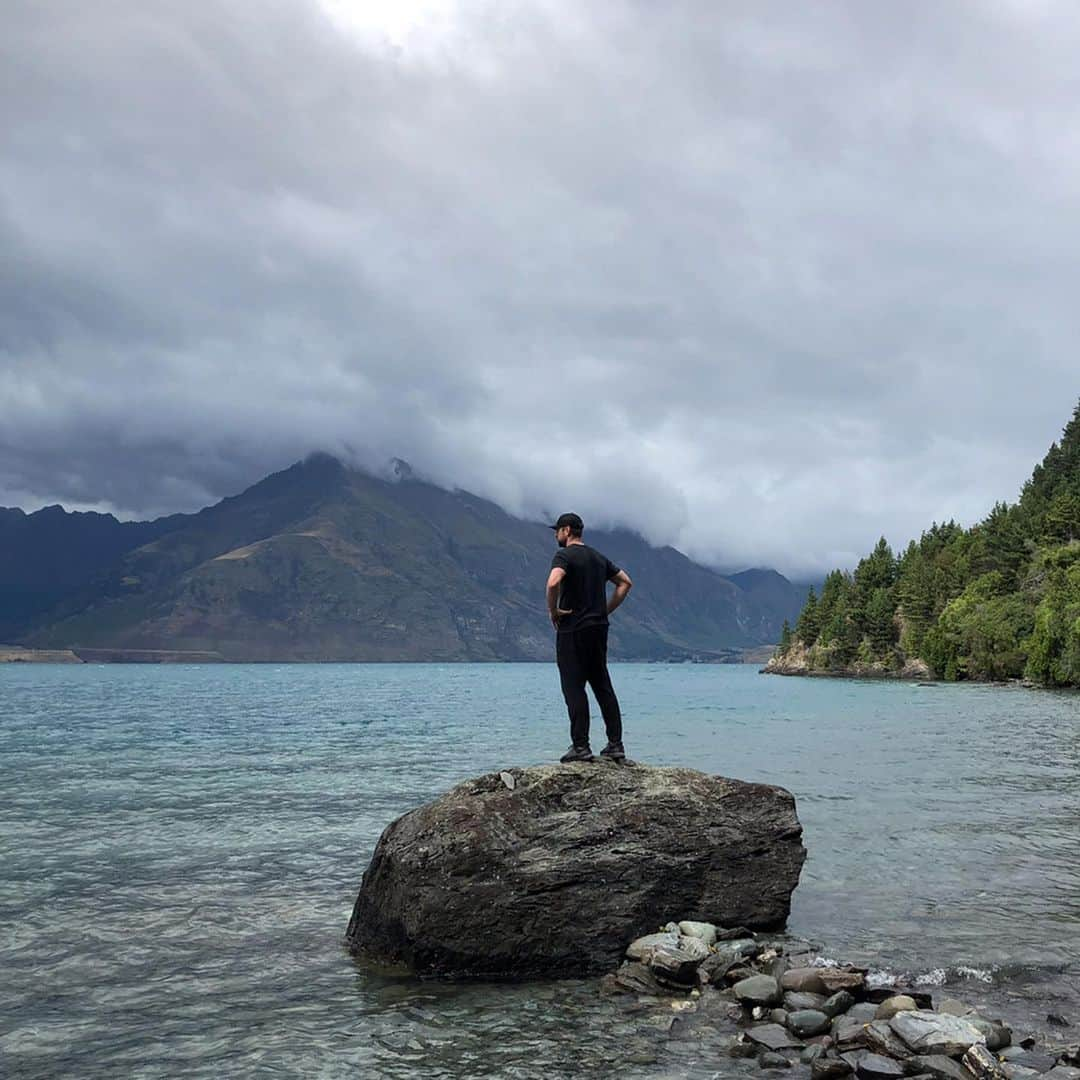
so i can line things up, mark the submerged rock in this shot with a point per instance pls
(773, 1037)
(1033, 1059)
(632, 978)
(772, 1060)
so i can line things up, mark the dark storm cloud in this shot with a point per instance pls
(762, 280)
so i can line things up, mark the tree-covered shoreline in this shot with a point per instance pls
(999, 600)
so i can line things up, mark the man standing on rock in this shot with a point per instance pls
(579, 607)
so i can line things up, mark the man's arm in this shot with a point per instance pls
(623, 585)
(555, 613)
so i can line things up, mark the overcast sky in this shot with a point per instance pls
(763, 280)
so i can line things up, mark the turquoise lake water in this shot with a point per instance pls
(180, 849)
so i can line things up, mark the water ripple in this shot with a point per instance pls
(180, 848)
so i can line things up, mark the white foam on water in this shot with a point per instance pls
(940, 976)
(876, 978)
(981, 974)
(936, 977)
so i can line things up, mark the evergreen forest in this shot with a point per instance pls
(999, 600)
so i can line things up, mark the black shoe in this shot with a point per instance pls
(615, 751)
(577, 753)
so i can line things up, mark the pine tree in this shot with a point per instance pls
(1005, 546)
(832, 599)
(808, 625)
(880, 622)
(1061, 522)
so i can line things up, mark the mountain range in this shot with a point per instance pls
(325, 562)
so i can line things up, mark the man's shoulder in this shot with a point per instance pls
(584, 552)
(573, 555)
(579, 555)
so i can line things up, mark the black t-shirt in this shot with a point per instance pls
(584, 589)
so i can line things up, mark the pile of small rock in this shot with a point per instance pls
(787, 1007)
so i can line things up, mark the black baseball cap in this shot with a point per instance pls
(568, 519)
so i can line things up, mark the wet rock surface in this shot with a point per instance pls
(758, 990)
(837, 1004)
(794, 999)
(877, 1067)
(808, 1022)
(927, 1032)
(879, 1037)
(893, 1005)
(570, 864)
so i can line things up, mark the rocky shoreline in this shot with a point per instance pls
(795, 665)
(796, 661)
(783, 1005)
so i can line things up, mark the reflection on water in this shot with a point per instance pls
(180, 849)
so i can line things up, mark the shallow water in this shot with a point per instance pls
(180, 848)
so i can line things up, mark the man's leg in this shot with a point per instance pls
(572, 675)
(600, 681)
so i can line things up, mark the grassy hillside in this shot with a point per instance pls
(324, 562)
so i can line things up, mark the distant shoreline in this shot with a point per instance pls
(16, 654)
(923, 679)
(78, 655)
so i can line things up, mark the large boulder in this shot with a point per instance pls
(553, 870)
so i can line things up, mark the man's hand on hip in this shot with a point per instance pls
(558, 614)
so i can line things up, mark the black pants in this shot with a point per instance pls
(582, 658)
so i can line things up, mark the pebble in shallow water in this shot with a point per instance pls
(758, 990)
